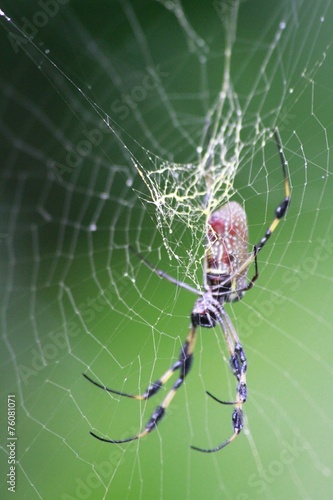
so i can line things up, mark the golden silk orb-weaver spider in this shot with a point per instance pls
(226, 265)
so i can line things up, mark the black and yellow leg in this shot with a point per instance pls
(238, 365)
(282, 208)
(183, 364)
(239, 371)
(279, 213)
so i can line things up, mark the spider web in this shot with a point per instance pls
(127, 123)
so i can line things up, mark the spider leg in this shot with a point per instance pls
(164, 275)
(283, 206)
(280, 211)
(238, 365)
(183, 364)
(151, 389)
(237, 420)
(241, 291)
(219, 400)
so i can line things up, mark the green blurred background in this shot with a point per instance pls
(73, 300)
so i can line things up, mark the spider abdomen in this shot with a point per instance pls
(227, 251)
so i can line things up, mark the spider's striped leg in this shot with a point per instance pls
(282, 208)
(183, 365)
(238, 365)
(280, 211)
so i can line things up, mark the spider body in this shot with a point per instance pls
(203, 312)
(226, 264)
(227, 250)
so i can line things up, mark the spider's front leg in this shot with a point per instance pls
(238, 365)
(183, 364)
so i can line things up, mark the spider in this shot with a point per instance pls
(226, 265)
